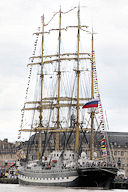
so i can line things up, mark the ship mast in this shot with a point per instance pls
(92, 112)
(59, 77)
(41, 97)
(78, 76)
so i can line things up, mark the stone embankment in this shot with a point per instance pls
(9, 180)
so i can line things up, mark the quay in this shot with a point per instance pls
(120, 183)
(9, 180)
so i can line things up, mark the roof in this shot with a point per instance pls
(117, 139)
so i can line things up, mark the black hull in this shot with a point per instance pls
(96, 177)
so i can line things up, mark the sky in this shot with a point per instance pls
(20, 18)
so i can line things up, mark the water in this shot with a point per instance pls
(20, 188)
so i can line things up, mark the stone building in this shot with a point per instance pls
(7, 152)
(119, 148)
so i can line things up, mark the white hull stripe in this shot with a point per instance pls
(47, 180)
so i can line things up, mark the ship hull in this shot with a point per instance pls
(97, 177)
(83, 177)
(64, 178)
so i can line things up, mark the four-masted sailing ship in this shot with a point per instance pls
(68, 144)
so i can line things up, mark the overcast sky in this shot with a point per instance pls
(20, 18)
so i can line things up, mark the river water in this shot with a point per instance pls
(20, 188)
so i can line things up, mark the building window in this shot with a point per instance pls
(122, 153)
(115, 153)
(122, 160)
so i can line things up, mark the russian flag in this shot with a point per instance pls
(91, 104)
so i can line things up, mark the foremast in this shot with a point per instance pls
(78, 76)
(92, 94)
(41, 93)
(59, 78)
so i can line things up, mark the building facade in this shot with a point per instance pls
(7, 152)
(119, 149)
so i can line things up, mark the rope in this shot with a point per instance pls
(27, 89)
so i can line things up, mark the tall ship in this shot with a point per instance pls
(63, 114)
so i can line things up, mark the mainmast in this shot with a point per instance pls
(92, 112)
(41, 91)
(59, 77)
(78, 76)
